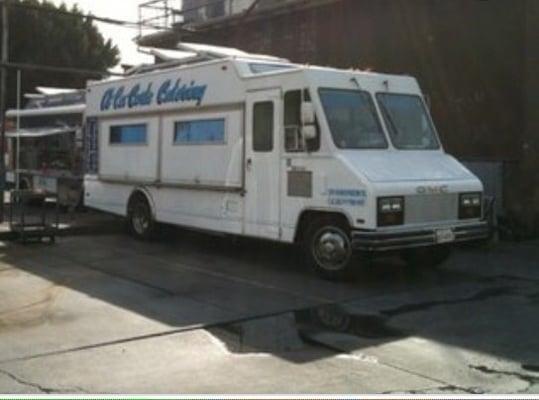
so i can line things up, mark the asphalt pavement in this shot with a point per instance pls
(192, 313)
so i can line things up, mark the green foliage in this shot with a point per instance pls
(52, 39)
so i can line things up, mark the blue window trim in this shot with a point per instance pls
(121, 143)
(194, 141)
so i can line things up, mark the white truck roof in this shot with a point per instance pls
(223, 80)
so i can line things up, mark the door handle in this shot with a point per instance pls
(249, 163)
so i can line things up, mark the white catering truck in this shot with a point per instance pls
(339, 161)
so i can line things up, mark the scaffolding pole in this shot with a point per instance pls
(3, 101)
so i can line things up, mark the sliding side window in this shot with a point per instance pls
(208, 131)
(135, 134)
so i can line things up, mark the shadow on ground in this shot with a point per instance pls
(257, 297)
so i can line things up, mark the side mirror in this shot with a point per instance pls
(308, 132)
(308, 116)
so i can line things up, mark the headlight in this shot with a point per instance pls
(390, 211)
(470, 205)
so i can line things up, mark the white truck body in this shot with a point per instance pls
(217, 180)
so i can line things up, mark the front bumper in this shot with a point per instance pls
(385, 241)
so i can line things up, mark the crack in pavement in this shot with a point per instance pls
(479, 296)
(529, 379)
(338, 351)
(100, 345)
(438, 390)
(39, 387)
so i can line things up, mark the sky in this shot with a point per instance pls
(123, 37)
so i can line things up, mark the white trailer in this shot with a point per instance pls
(337, 161)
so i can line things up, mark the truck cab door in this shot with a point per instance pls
(262, 155)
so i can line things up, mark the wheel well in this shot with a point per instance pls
(309, 215)
(137, 194)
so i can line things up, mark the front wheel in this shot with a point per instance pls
(140, 219)
(328, 249)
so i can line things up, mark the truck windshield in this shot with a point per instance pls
(409, 125)
(352, 119)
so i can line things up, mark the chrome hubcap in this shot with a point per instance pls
(332, 248)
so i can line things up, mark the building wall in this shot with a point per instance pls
(476, 60)
(522, 188)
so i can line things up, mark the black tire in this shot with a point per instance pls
(140, 221)
(327, 248)
(426, 257)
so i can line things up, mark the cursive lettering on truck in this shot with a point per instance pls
(120, 98)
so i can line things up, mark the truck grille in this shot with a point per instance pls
(431, 208)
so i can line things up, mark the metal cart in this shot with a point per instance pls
(33, 217)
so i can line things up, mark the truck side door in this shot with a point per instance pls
(262, 156)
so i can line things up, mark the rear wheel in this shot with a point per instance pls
(328, 249)
(426, 257)
(140, 219)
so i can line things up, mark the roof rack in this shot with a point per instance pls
(191, 53)
(47, 97)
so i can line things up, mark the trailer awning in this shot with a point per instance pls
(40, 132)
(37, 112)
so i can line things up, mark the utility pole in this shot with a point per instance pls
(3, 102)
